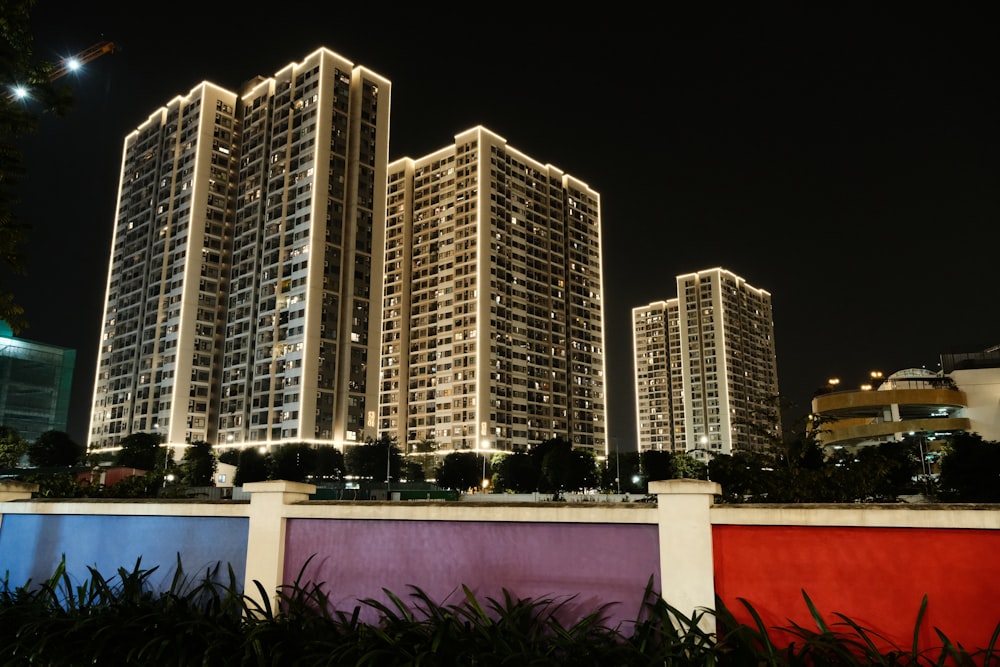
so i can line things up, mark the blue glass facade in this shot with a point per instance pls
(35, 383)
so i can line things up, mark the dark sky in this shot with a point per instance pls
(843, 159)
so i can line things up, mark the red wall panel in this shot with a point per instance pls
(876, 577)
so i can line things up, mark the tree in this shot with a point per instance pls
(516, 473)
(582, 470)
(230, 456)
(60, 485)
(329, 463)
(368, 461)
(140, 450)
(12, 447)
(744, 476)
(461, 471)
(685, 466)
(969, 470)
(253, 466)
(892, 467)
(136, 486)
(413, 471)
(16, 121)
(55, 448)
(656, 465)
(198, 465)
(294, 462)
(617, 475)
(550, 459)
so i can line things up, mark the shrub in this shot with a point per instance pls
(121, 621)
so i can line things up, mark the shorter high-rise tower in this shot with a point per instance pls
(706, 379)
(492, 304)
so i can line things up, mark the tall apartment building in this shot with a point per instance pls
(246, 251)
(492, 333)
(706, 378)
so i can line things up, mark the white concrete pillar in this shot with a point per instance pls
(687, 570)
(266, 535)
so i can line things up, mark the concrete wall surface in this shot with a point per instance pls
(106, 536)
(872, 564)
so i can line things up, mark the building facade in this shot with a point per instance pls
(35, 383)
(706, 379)
(247, 246)
(307, 263)
(493, 332)
(658, 380)
(963, 397)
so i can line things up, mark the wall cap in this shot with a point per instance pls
(685, 486)
(279, 486)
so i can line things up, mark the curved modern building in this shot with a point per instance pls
(912, 400)
(964, 396)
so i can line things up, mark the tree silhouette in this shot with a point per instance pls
(656, 465)
(198, 465)
(253, 466)
(516, 472)
(294, 462)
(685, 466)
(460, 470)
(329, 463)
(139, 450)
(12, 447)
(969, 470)
(368, 461)
(18, 120)
(617, 475)
(55, 448)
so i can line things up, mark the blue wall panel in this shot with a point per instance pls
(31, 546)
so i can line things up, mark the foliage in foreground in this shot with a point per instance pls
(122, 621)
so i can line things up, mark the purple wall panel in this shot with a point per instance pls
(356, 559)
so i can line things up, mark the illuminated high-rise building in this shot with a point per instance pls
(492, 305)
(246, 252)
(706, 379)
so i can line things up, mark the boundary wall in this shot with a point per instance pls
(873, 564)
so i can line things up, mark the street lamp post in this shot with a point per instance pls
(388, 472)
(167, 477)
(618, 471)
(485, 444)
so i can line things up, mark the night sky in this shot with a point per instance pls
(845, 160)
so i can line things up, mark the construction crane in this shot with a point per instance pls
(75, 62)
(70, 64)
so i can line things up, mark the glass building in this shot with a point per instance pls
(35, 383)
